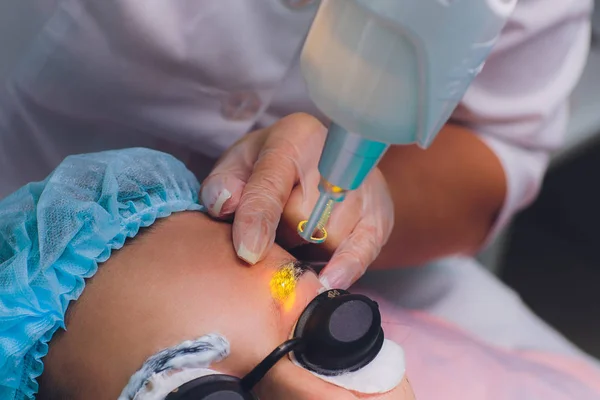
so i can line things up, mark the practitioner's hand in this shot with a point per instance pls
(270, 176)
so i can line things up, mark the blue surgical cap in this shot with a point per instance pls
(53, 235)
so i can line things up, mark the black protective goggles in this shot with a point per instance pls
(337, 332)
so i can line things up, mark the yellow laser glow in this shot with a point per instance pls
(283, 284)
(337, 189)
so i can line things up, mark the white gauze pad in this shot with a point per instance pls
(381, 375)
(172, 367)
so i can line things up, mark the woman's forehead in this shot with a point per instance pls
(200, 251)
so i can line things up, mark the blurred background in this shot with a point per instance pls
(551, 253)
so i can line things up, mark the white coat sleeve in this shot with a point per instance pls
(518, 105)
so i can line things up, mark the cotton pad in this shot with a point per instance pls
(172, 367)
(381, 375)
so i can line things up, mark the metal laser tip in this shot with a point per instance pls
(317, 221)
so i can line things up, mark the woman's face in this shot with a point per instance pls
(178, 282)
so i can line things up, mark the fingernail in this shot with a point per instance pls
(254, 241)
(214, 198)
(247, 255)
(223, 196)
(326, 286)
(342, 275)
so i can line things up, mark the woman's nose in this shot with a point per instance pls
(290, 382)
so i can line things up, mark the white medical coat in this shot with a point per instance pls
(192, 76)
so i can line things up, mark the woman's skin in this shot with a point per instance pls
(178, 282)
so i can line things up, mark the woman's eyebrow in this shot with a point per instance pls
(299, 267)
(284, 281)
(304, 267)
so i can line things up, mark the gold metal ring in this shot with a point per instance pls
(313, 239)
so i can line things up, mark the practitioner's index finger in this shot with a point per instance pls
(281, 164)
(291, 150)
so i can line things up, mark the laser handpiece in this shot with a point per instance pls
(346, 161)
(389, 72)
